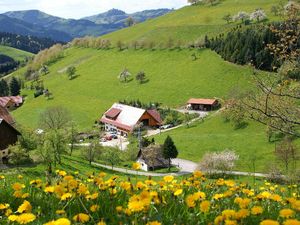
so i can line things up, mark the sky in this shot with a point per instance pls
(80, 8)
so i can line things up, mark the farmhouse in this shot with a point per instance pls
(11, 102)
(123, 118)
(202, 104)
(151, 158)
(8, 134)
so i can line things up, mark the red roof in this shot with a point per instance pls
(113, 112)
(202, 101)
(4, 114)
(155, 114)
(15, 99)
(117, 124)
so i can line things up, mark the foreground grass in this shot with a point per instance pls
(103, 199)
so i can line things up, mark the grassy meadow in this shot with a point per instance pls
(173, 77)
(14, 53)
(192, 22)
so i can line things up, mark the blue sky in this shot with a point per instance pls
(80, 8)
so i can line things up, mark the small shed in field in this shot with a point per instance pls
(152, 158)
(202, 104)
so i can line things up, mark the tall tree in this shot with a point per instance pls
(71, 72)
(55, 118)
(140, 77)
(93, 151)
(129, 21)
(4, 89)
(169, 150)
(124, 75)
(14, 86)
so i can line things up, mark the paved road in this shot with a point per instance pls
(140, 173)
(187, 167)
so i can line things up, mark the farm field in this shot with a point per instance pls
(173, 78)
(14, 53)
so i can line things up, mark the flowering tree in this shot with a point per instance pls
(258, 15)
(243, 16)
(218, 161)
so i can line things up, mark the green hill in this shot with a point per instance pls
(14, 53)
(173, 76)
(192, 22)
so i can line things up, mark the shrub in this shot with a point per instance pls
(218, 162)
(18, 155)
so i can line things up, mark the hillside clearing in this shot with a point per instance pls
(14, 53)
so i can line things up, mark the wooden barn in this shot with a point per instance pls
(11, 102)
(124, 118)
(202, 104)
(8, 134)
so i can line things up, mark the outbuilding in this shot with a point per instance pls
(202, 104)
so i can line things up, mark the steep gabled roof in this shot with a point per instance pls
(155, 114)
(4, 114)
(127, 117)
(9, 125)
(153, 156)
(15, 99)
(202, 101)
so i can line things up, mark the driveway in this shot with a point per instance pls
(185, 165)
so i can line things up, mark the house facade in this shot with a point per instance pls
(123, 119)
(8, 134)
(202, 104)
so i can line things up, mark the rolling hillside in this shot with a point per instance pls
(16, 54)
(173, 78)
(192, 22)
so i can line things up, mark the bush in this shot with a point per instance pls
(218, 162)
(18, 155)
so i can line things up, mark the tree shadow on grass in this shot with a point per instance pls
(74, 77)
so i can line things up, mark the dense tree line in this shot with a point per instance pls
(243, 46)
(13, 87)
(25, 43)
(7, 64)
(248, 46)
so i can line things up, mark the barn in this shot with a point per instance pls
(124, 118)
(202, 104)
(8, 134)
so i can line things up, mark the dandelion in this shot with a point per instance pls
(60, 221)
(286, 213)
(81, 218)
(136, 166)
(66, 196)
(94, 208)
(256, 210)
(205, 206)
(25, 218)
(291, 222)
(178, 192)
(154, 223)
(168, 178)
(25, 207)
(269, 222)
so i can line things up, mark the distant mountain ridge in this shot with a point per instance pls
(40, 24)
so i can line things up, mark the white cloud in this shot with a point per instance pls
(81, 8)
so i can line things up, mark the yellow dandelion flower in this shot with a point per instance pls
(26, 218)
(18, 186)
(269, 222)
(136, 166)
(66, 196)
(256, 210)
(242, 213)
(13, 218)
(178, 192)
(4, 206)
(81, 218)
(190, 201)
(25, 207)
(49, 189)
(286, 213)
(60, 221)
(94, 208)
(228, 213)
(101, 222)
(60, 212)
(291, 222)
(154, 223)
(168, 178)
(205, 206)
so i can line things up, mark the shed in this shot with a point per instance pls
(202, 104)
